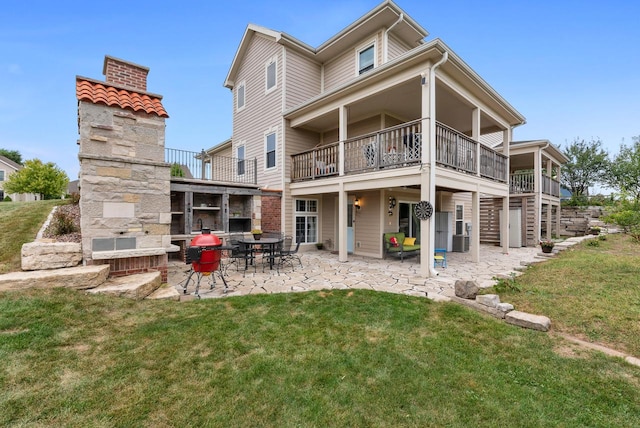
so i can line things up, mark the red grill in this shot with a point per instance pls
(204, 255)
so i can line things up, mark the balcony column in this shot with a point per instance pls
(343, 117)
(549, 220)
(427, 187)
(475, 227)
(504, 223)
(537, 189)
(342, 223)
(475, 134)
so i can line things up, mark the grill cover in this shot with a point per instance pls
(209, 259)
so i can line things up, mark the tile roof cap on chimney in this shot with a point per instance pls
(98, 92)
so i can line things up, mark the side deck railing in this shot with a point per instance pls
(393, 147)
(201, 166)
(524, 182)
(397, 147)
(550, 186)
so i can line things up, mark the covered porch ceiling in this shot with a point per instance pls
(403, 101)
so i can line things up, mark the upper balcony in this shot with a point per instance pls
(201, 166)
(524, 182)
(397, 147)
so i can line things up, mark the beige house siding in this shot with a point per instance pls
(367, 228)
(263, 111)
(302, 79)
(395, 48)
(343, 68)
(297, 140)
(329, 207)
(364, 126)
(339, 70)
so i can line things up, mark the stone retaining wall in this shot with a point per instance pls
(575, 221)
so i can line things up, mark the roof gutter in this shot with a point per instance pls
(385, 53)
(432, 156)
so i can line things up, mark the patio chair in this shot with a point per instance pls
(440, 257)
(287, 254)
(240, 252)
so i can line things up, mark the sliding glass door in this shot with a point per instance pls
(409, 224)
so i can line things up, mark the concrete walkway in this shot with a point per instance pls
(322, 271)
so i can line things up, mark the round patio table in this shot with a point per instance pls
(269, 244)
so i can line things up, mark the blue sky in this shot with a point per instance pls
(572, 68)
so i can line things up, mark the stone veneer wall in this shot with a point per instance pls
(124, 188)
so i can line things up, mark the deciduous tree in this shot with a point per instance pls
(47, 180)
(586, 167)
(14, 155)
(624, 170)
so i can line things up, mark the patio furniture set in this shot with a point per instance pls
(205, 256)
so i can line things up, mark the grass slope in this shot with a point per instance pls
(591, 291)
(341, 358)
(19, 224)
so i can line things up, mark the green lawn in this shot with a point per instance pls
(19, 223)
(591, 291)
(342, 358)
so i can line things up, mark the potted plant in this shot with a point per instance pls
(546, 245)
(594, 230)
(257, 234)
(319, 245)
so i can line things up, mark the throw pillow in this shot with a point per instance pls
(394, 241)
(409, 241)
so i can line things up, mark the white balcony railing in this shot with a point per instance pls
(397, 147)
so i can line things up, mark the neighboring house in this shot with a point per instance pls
(359, 131)
(8, 167)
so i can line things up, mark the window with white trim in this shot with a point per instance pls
(270, 150)
(306, 220)
(240, 96)
(459, 219)
(366, 58)
(271, 68)
(240, 159)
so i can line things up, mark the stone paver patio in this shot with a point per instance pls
(322, 271)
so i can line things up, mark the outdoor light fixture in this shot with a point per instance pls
(357, 203)
(392, 205)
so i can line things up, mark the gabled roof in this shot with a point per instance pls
(546, 145)
(10, 163)
(98, 92)
(432, 50)
(224, 145)
(385, 15)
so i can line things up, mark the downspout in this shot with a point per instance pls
(385, 53)
(432, 153)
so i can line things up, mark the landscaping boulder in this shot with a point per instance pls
(50, 255)
(490, 300)
(466, 289)
(523, 319)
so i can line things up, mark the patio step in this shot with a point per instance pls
(165, 291)
(78, 277)
(136, 286)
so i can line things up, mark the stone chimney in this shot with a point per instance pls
(123, 73)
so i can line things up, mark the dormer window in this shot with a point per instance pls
(366, 59)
